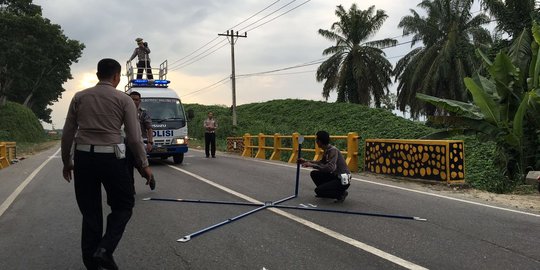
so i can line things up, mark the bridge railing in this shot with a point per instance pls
(7, 153)
(259, 148)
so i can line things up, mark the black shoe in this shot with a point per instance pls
(152, 183)
(213, 156)
(104, 259)
(342, 197)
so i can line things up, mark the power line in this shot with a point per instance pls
(209, 42)
(207, 87)
(278, 16)
(195, 59)
(200, 56)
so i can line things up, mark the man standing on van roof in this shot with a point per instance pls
(142, 51)
(93, 126)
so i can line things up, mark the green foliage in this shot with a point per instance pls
(20, 124)
(307, 117)
(449, 35)
(503, 110)
(35, 57)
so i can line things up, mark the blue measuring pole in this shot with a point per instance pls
(300, 141)
(349, 212)
(195, 234)
(203, 201)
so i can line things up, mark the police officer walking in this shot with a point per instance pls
(93, 127)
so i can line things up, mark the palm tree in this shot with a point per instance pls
(449, 34)
(515, 18)
(357, 69)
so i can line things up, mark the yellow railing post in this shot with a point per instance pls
(294, 154)
(247, 146)
(276, 154)
(3, 156)
(261, 153)
(352, 151)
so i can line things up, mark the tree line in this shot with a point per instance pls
(35, 57)
(464, 78)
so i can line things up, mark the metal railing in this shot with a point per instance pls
(7, 153)
(277, 147)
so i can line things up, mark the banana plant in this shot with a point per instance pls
(501, 107)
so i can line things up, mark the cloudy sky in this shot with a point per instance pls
(280, 34)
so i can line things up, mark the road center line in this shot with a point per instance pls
(5, 205)
(314, 226)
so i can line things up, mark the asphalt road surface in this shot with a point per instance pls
(40, 223)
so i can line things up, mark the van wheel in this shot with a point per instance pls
(178, 158)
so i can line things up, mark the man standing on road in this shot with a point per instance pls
(93, 127)
(331, 175)
(210, 126)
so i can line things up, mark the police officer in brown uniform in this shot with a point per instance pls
(93, 127)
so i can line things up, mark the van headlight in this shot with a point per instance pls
(181, 140)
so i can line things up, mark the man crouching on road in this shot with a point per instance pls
(93, 123)
(331, 175)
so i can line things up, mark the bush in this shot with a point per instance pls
(18, 123)
(307, 117)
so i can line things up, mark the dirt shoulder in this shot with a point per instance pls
(523, 202)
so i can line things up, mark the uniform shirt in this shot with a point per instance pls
(210, 123)
(332, 162)
(141, 53)
(96, 115)
(145, 120)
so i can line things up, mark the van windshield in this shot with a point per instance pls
(163, 109)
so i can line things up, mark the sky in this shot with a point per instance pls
(280, 34)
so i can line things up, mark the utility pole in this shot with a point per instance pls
(232, 37)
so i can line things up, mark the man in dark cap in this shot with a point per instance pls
(142, 51)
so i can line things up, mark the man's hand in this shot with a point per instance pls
(66, 171)
(146, 172)
(148, 147)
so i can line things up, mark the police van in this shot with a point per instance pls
(169, 120)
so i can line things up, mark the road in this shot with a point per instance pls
(40, 222)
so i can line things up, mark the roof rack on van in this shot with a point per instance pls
(133, 82)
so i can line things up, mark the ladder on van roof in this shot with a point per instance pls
(132, 81)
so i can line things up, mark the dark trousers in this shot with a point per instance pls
(210, 144)
(90, 172)
(328, 184)
(141, 65)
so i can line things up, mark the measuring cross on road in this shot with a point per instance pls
(276, 204)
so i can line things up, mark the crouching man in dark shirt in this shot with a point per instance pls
(331, 175)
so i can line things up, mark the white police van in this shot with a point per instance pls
(169, 120)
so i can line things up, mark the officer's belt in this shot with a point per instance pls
(95, 148)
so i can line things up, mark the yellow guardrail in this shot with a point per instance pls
(7, 153)
(277, 148)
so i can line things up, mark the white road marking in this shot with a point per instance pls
(333, 234)
(5, 205)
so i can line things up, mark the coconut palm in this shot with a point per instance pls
(357, 69)
(514, 18)
(448, 35)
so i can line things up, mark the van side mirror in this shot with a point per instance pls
(190, 114)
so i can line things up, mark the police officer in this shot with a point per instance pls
(142, 51)
(331, 174)
(93, 127)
